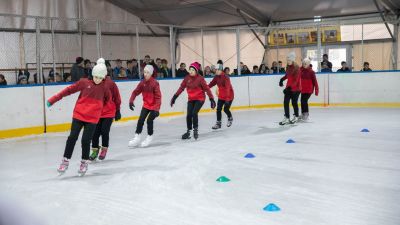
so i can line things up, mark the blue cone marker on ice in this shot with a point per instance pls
(271, 207)
(249, 155)
(290, 141)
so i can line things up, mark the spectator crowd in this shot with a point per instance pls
(129, 70)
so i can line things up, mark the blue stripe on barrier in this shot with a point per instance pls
(20, 85)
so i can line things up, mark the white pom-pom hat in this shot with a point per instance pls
(100, 69)
(291, 56)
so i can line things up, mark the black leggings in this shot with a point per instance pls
(88, 131)
(304, 102)
(192, 117)
(294, 96)
(103, 130)
(150, 114)
(226, 105)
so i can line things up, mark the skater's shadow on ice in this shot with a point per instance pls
(110, 172)
(106, 161)
(270, 130)
(153, 145)
(158, 144)
(135, 153)
(133, 169)
(88, 175)
(212, 134)
(66, 177)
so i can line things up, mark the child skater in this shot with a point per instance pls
(150, 90)
(93, 94)
(292, 90)
(309, 84)
(225, 95)
(111, 110)
(195, 86)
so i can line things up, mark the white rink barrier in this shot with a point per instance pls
(23, 110)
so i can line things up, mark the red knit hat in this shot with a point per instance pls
(195, 66)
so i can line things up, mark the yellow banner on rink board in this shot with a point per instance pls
(19, 132)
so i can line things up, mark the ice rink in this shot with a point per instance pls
(333, 173)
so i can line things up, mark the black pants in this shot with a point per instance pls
(103, 130)
(304, 102)
(226, 105)
(294, 96)
(150, 119)
(192, 117)
(88, 131)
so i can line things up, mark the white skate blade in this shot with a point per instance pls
(134, 145)
(145, 145)
(60, 173)
(94, 161)
(80, 174)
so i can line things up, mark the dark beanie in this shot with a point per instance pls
(79, 60)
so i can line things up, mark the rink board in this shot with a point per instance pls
(24, 113)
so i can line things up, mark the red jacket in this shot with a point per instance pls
(225, 90)
(151, 93)
(114, 104)
(293, 75)
(90, 102)
(195, 87)
(308, 81)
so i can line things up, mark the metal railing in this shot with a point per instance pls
(49, 42)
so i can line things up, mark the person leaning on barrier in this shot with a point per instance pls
(207, 72)
(3, 81)
(255, 70)
(263, 69)
(87, 68)
(325, 68)
(181, 72)
(77, 70)
(344, 68)
(118, 70)
(326, 60)
(366, 67)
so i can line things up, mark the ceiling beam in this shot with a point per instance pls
(188, 4)
(252, 30)
(142, 16)
(384, 20)
(249, 11)
(392, 6)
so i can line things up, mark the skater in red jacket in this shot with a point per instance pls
(195, 86)
(309, 84)
(225, 95)
(292, 90)
(111, 111)
(87, 112)
(150, 90)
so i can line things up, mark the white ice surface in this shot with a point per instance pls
(333, 174)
